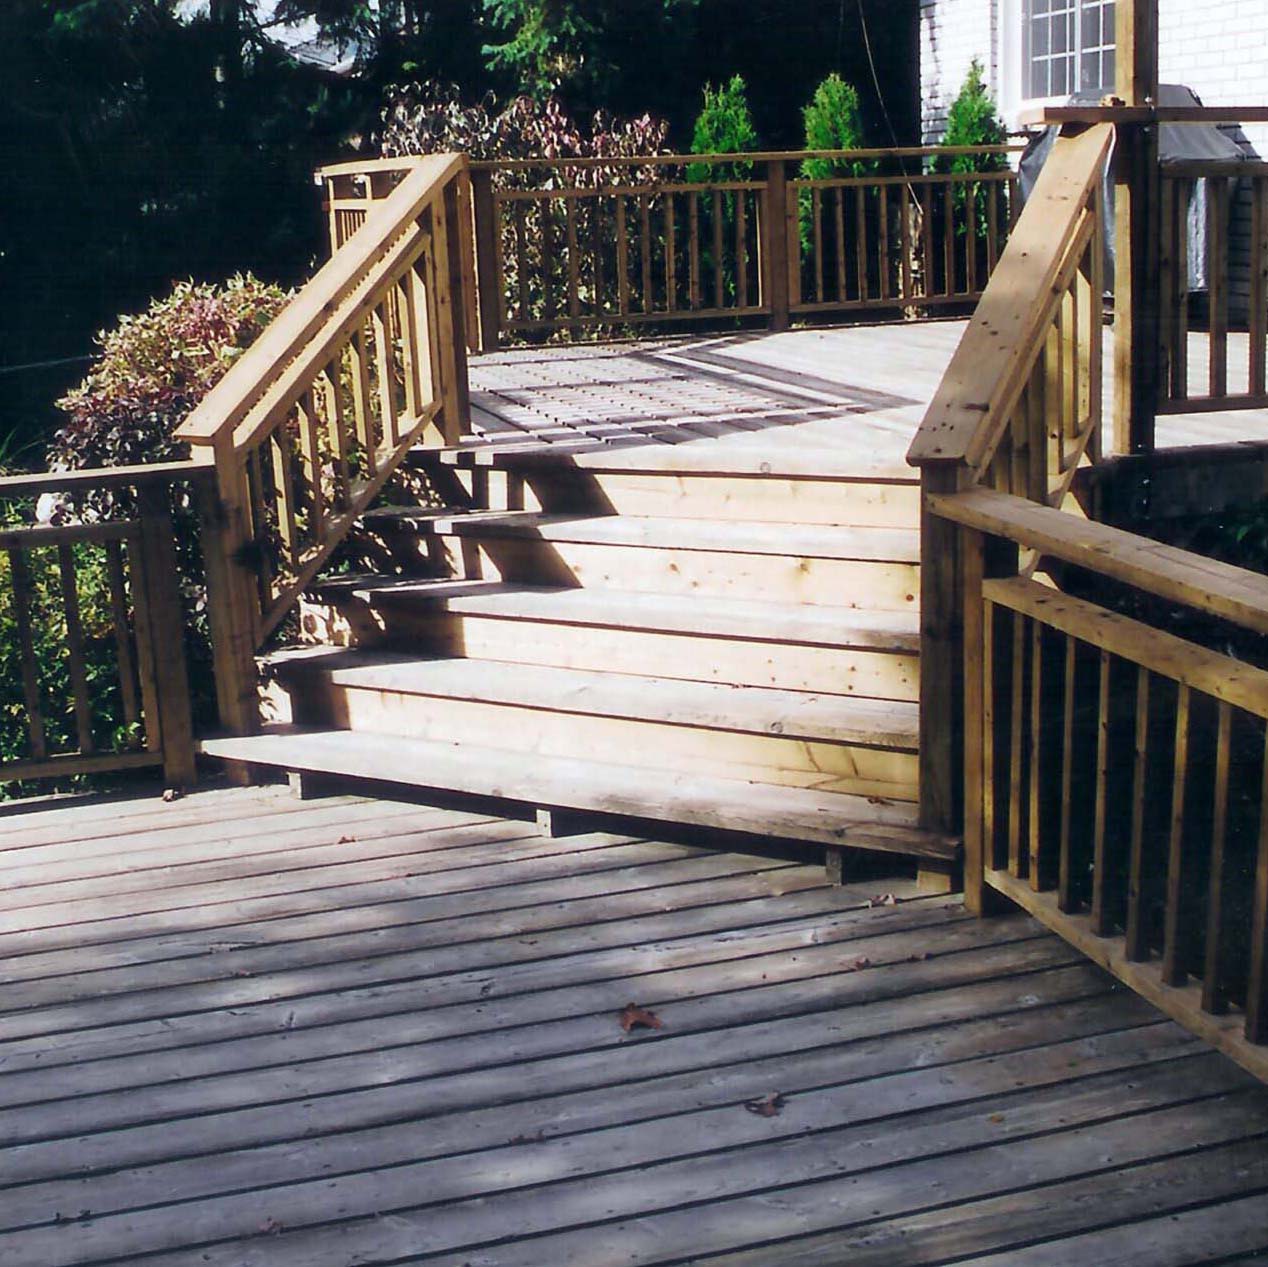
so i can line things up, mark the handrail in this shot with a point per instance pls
(1005, 336)
(356, 167)
(90, 479)
(303, 431)
(1180, 576)
(348, 271)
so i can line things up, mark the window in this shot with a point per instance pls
(1068, 46)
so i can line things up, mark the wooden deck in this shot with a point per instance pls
(863, 388)
(240, 1029)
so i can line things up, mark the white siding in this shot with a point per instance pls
(952, 34)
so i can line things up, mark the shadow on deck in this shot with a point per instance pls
(241, 1029)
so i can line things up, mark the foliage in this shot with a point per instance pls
(973, 120)
(430, 118)
(588, 51)
(833, 121)
(155, 367)
(723, 126)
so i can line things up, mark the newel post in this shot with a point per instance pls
(488, 280)
(231, 599)
(1137, 208)
(774, 244)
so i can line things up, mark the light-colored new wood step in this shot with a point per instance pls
(872, 568)
(863, 746)
(828, 650)
(828, 818)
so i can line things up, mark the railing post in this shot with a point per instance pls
(231, 600)
(775, 244)
(488, 279)
(446, 275)
(1137, 204)
(167, 636)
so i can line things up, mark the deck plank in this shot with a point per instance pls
(421, 1061)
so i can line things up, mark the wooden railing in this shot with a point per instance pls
(308, 425)
(1108, 774)
(1116, 773)
(95, 614)
(1213, 352)
(602, 244)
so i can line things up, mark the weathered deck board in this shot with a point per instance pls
(420, 1060)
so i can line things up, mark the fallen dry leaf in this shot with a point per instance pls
(768, 1106)
(858, 965)
(635, 1017)
(172, 794)
(924, 954)
(883, 899)
(347, 840)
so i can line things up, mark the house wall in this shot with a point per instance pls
(1219, 48)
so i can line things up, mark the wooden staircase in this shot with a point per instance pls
(682, 633)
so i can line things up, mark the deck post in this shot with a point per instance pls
(774, 244)
(487, 280)
(167, 638)
(230, 599)
(941, 657)
(1137, 206)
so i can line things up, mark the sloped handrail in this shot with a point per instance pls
(368, 359)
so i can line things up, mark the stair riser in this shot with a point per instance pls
(828, 767)
(735, 661)
(684, 495)
(873, 586)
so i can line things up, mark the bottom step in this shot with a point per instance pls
(826, 818)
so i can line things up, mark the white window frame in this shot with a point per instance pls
(1014, 71)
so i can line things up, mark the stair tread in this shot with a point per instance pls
(744, 456)
(897, 631)
(833, 818)
(703, 705)
(894, 545)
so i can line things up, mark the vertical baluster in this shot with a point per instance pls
(816, 212)
(622, 258)
(948, 239)
(1042, 763)
(574, 259)
(645, 244)
(693, 249)
(385, 365)
(1180, 333)
(1257, 986)
(1138, 914)
(20, 578)
(311, 464)
(905, 229)
(671, 255)
(257, 528)
(521, 259)
(408, 331)
(741, 248)
(1217, 279)
(1067, 880)
(1017, 857)
(1072, 364)
(990, 737)
(926, 236)
(1175, 951)
(970, 236)
(82, 703)
(860, 240)
(838, 215)
(284, 489)
(336, 423)
(1167, 233)
(600, 305)
(546, 209)
(882, 243)
(1104, 894)
(1215, 972)
(719, 290)
(122, 632)
(1258, 316)
(425, 360)
(992, 188)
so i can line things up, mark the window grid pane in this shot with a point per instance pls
(1068, 46)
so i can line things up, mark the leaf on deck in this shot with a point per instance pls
(635, 1017)
(768, 1106)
